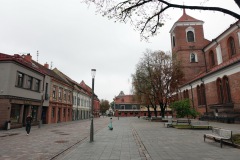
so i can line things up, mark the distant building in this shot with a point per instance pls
(128, 106)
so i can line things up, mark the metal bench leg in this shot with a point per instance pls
(204, 137)
(221, 142)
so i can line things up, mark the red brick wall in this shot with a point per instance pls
(184, 48)
(234, 81)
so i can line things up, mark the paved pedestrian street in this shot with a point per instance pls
(131, 139)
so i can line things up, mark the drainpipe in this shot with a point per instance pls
(205, 61)
(192, 94)
(205, 96)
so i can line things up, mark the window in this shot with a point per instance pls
(37, 85)
(74, 100)
(201, 94)
(15, 113)
(193, 57)
(69, 96)
(64, 112)
(190, 36)
(20, 77)
(203, 97)
(64, 95)
(29, 82)
(231, 46)
(211, 59)
(185, 94)
(60, 93)
(34, 112)
(78, 101)
(54, 92)
(134, 107)
(46, 92)
(173, 41)
(219, 54)
(226, 90)
(122, 107)
(220, 90)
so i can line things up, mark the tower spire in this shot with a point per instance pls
(184, 12)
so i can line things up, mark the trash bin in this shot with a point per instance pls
(7, 125)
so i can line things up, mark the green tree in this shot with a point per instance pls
(183, 109)
(104, 105)
(148, 16)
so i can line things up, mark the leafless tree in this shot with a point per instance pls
(156, 75)
(148, 16)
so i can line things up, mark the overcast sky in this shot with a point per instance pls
(76, 39)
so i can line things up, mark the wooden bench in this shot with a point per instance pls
(194, 124)
(219, 134)
(155, 119)
(169, 123)
(183, 121)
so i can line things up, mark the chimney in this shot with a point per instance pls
(46, 65)
(28, 57)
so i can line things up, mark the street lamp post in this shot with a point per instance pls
(91, 128)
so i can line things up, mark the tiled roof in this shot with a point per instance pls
(20, 59)
(187, 18)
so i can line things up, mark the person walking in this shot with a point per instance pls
(28, 123)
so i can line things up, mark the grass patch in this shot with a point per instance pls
(236, 139)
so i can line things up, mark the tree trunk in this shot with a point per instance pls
(162, 106)
(148, 109)
(155, 111)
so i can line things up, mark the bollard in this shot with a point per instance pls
(110, 125)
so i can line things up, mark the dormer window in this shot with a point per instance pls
(193, 57)
(190, 34)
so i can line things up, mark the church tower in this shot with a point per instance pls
(187, 39)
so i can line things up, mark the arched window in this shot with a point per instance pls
(220, 90)
(187, 95)
(211, 59)
(203, 97)
(193, 57)
(190, 36)
(226, 90)
(199, 95)
(231, 46)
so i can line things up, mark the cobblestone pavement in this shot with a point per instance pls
(47, 141)
(130, 139)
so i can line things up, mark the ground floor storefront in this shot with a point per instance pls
(79, 113)
(14, 111)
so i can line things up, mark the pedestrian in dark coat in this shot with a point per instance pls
(28, 123)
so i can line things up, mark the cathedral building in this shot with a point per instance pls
(211, 68)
